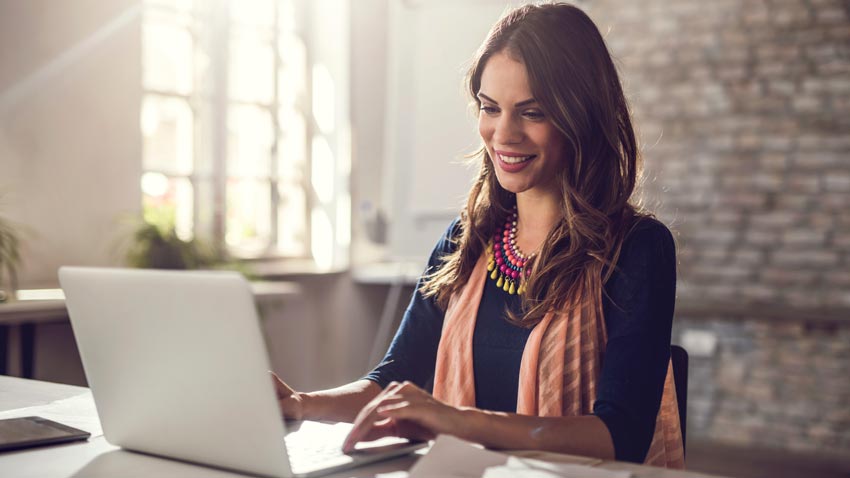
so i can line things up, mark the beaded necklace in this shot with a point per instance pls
(506, 262)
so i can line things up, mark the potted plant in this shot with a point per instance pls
(159, 247)
(10, 259)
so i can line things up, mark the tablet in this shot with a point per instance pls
(25, 432)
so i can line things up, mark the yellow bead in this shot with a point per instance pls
(512, 290)
(501, 281)
(493, 275)
(491, 266)
(505, 286)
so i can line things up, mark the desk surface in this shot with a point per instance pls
(97, 458)
(53, 309)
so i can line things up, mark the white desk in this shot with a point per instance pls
(97, 458)
(19, 318)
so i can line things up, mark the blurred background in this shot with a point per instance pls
(318, 145)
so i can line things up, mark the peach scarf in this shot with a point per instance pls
(558, 374)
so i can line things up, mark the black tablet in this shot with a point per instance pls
(25, 432)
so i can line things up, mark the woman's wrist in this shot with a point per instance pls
(469, 424)
(309, 406)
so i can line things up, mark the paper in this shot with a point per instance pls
(451, 457)
(77, 411)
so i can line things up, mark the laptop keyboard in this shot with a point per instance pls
(315, 445)
(308, 454)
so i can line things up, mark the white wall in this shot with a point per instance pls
(70, 145)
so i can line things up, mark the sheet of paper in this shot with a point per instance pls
(77, 411)
(451, 457)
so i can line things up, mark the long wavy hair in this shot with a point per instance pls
(574, 80)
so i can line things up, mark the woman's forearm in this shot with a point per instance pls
(583, 435)
(340, 403)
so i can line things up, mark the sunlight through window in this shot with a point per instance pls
(248, 191)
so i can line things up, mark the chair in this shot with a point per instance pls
(679, 356)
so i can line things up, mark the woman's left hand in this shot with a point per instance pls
(402, 410)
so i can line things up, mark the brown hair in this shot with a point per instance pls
(573, 78)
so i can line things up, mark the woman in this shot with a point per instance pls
(545, 315)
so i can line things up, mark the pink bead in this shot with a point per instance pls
(499, 260)
(503, 268)
(497, 246)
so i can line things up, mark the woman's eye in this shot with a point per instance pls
(534, 114)
(489, 109)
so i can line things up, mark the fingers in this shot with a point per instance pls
(367, 419)
(369, 425)
(291, 405)
(281, 388)
(379, 429)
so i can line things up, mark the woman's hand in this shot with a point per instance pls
(291, 402)
(402, 410)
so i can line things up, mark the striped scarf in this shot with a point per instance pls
(560, 367)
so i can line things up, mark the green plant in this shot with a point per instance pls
(10, 257)
(159, 247)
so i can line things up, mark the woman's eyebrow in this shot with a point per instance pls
(518, 105)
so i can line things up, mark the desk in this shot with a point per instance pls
(97, 458)
(18, 319)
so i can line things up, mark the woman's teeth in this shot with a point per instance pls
(515, 159)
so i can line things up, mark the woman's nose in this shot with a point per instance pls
(507, 130)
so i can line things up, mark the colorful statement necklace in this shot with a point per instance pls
(506, 262)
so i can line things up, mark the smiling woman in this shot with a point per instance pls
(544, 319)
(522, 143)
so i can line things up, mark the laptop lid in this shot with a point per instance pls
(177, 365)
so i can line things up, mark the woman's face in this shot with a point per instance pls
(524, 145)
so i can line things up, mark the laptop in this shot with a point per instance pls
(177, 364)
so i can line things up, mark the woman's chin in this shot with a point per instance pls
(515, 187)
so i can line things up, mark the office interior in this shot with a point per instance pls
(318, 147)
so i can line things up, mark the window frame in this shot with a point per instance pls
(213, 137)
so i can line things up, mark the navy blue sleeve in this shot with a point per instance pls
(413, 352)
(638, 308)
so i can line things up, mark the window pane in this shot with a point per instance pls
(248, 216)
(292, 148)
(168, 61)
(249, 142)
(168, 203)
(322, 171)
(176, 5)
(168, 135)
(252, 65)
(291, 220)
(292, 78)
(253, 12)
(286, 15)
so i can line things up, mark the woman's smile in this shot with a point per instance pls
(513, 162)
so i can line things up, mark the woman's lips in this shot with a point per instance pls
(513, 162)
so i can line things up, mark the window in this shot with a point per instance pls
(230, 151)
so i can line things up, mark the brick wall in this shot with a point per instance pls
(743, 108)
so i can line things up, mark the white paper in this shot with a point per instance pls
(451, 457)
(77, 411)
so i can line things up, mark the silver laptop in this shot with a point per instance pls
(177, 365)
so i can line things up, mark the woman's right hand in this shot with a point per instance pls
(291, 402)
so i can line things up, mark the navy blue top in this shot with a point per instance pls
(638, 304)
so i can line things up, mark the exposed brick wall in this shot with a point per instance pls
(775, 385)
(743, 108)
